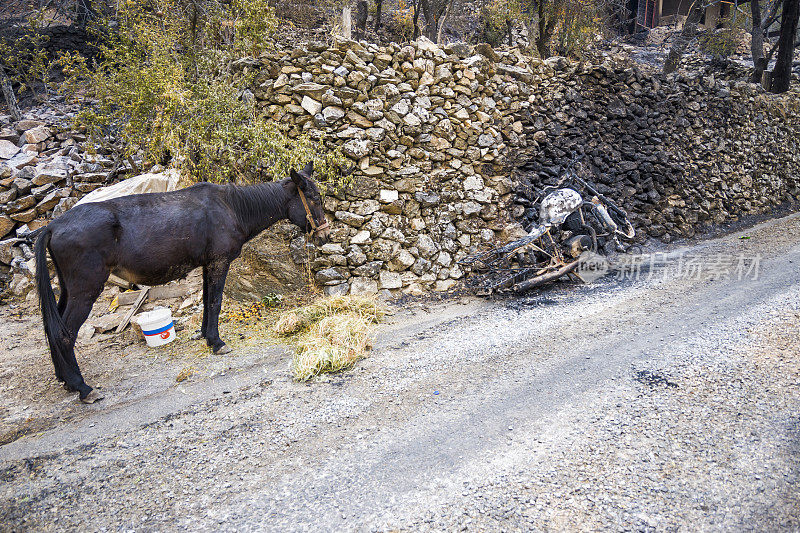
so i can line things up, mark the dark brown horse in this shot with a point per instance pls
(154, 238)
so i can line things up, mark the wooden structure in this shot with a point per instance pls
(652, 13)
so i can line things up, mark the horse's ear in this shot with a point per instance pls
(298, 179)
(308, 170)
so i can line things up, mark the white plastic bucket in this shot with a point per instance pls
(157, 326)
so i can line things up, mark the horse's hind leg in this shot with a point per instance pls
(206, 303)
(63, 297)
(78, 306)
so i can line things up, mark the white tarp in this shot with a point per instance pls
(144, 183)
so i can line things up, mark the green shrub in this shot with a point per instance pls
(494, 16)
(723, 42)
(24, 58)
(168, 81)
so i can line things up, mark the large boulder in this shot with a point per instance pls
(265, 267)
(8, 149)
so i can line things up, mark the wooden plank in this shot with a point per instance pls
(118, 281)
(128, 298)
(136, 306)
(162, 292)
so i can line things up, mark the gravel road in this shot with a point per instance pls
(668, 402)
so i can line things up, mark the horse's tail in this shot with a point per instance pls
(58, 336)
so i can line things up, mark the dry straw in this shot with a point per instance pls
(332, 334)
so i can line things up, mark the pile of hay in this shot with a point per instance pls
(331, 334)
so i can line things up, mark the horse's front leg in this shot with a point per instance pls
(204, 327)
(216, 283)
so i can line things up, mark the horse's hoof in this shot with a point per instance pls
(197, 335)
(92, 397)
(222, 350)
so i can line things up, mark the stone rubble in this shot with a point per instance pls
(46, 166)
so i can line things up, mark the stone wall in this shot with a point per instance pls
(430, 132)
(42, 174)
(45, 168)
(679, 154)
(451, 144)
(450, 147)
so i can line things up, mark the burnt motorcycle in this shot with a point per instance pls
(573, 220)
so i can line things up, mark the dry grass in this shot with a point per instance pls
(185, 373)
(331, 334)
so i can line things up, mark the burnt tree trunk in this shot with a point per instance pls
(761, 61)
(430, 22)
(442, 21)
(416, 20)
(782, 73)
(547, 24)
(8, 93)
(378, 9)
(362, 11)
(433, 10)
(685, 37)
(757, 42)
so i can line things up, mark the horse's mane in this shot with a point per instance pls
(253, 203)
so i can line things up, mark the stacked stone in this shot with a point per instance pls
(451, 146)
(428, 131)
(680, 154)
(436, 134)
(43, 172)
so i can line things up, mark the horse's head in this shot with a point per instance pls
(305, 205)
